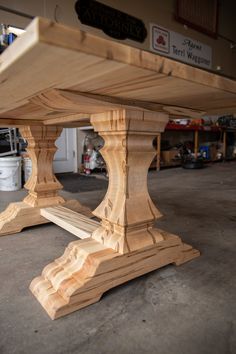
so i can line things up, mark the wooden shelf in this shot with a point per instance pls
(191, 128)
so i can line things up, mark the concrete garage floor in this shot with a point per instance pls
(189, 309)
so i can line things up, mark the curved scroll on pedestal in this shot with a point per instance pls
(127, 211)
(42, 185)
(127, 244)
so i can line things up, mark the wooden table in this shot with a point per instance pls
(55, 76)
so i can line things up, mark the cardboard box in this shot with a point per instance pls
(213, 153)
(170, 157)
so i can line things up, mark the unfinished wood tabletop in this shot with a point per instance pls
(54, 74)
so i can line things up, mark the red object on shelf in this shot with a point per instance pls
(173, 126)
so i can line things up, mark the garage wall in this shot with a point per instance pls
(159, 12)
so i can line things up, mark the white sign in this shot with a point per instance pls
(177, 46)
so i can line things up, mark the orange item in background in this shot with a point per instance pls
(197, 121)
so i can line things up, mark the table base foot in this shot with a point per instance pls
(87, 269)
(20, 215)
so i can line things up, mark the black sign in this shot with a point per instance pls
(113, 22)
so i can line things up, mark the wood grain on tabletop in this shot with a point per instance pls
(42, 72)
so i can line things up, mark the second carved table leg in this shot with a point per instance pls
(42, 185)
(127, 244)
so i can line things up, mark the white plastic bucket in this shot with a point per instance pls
(10, 173)
(27, 167)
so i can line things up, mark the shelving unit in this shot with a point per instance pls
(197, 131)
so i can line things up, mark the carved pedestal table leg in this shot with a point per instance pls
(127, 244)
(42, 185)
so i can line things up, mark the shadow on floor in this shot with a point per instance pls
(76, 183)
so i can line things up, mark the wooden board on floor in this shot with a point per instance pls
(75, 223)
(56, 57)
